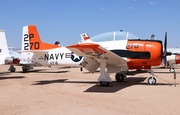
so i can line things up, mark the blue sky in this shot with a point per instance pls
(65, 20)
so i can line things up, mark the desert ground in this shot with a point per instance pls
(68, 91)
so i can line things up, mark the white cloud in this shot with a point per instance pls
(150, 14)
(176, 0)
(132, 8)
(152, 3)
(101, 8)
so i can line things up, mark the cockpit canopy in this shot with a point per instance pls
(113, 36)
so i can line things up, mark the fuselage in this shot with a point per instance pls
(57, 57)
(139, 53)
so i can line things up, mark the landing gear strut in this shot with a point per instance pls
(104, 77)
(152, 79)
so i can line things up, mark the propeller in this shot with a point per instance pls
(165, 53)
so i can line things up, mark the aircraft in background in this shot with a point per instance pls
(119, 52)
(174, 50)
(10, 57)
(24, 62)
(46, 54)
(5, 57)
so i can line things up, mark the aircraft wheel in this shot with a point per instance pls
(24, 70)
(152, 80)
(171, 70)
(104, 83)
(12, 68)
(120, 77)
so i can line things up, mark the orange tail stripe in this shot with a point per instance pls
(35, 41)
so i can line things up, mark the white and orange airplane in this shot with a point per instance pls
(45, 54)
(119, 52)
(5, 58)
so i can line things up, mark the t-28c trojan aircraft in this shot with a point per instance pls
(46, 54)
(118, 52)
(5, 58)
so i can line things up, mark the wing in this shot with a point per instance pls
(94, 54)
(37, 58)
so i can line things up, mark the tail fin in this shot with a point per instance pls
(84, 37)
(3, 45)
(32, 41)
(4, 52)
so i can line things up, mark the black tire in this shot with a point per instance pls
(120, 77)
(151, 80)
(25, 70)
(13, 70)
(104, 83)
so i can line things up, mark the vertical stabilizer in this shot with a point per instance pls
(84, 37)
(4, 53)
(3, 45)
(32, 41)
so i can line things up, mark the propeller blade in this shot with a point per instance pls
(165, 62)
(165, 42)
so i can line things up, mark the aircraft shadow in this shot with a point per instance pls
(42, 71)
(34, 70)
(4, 73)
(97, 71)
(116, 86)
(130, 72)
(162, 72)
(12, 77)
(53, 71)
(45, 82)
(136, 72)
(113, 87)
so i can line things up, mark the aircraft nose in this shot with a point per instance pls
(177, 59)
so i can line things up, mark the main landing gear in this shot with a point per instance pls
(24, 68)
(12, 68)
(104, 77)
(121, 76)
